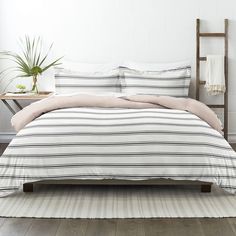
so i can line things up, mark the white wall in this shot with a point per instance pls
(120, 30)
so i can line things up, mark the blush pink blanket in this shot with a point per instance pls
(34, 110)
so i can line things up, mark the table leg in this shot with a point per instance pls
(17, 104)
(9, 107)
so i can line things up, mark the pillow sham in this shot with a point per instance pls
(172, 82)
(77, 82)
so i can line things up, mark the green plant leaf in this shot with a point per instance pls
(54, 63)
(45, 57)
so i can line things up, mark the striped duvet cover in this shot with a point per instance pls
(115, 143)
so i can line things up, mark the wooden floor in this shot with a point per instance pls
(117, 227)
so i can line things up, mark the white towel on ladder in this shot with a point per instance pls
(215, 75)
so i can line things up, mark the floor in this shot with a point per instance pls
(117, 227)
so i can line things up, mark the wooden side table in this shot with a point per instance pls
(5, 98)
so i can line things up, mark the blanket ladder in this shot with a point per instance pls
(199, 58)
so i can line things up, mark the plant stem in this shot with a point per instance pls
(35, 87)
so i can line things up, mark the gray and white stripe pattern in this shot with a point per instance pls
(173, 82)
(87, 83)
(134, 144)
(118, 202)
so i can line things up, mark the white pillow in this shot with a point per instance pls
(69, 66)
(141, 66)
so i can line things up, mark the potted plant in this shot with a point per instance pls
(21, 88)
(31, 62)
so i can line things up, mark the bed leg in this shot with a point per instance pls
(206, 188)
(28, 188)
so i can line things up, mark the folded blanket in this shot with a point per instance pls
(215, 77)
(31, 112)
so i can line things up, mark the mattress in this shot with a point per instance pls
(117, 143)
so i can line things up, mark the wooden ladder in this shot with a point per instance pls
(200, 58)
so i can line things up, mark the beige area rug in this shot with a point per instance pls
(118, 202)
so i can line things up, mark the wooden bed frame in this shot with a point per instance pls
(204, 186)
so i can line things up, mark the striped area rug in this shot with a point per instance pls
(118, 202)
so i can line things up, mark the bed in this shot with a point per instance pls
(94, 144)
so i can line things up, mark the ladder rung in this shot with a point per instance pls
(216, 106)
(202, 58)
(212, 35)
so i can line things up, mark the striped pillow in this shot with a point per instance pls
(75, 82)
(171, 82)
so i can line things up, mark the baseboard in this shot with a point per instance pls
(7, 137)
